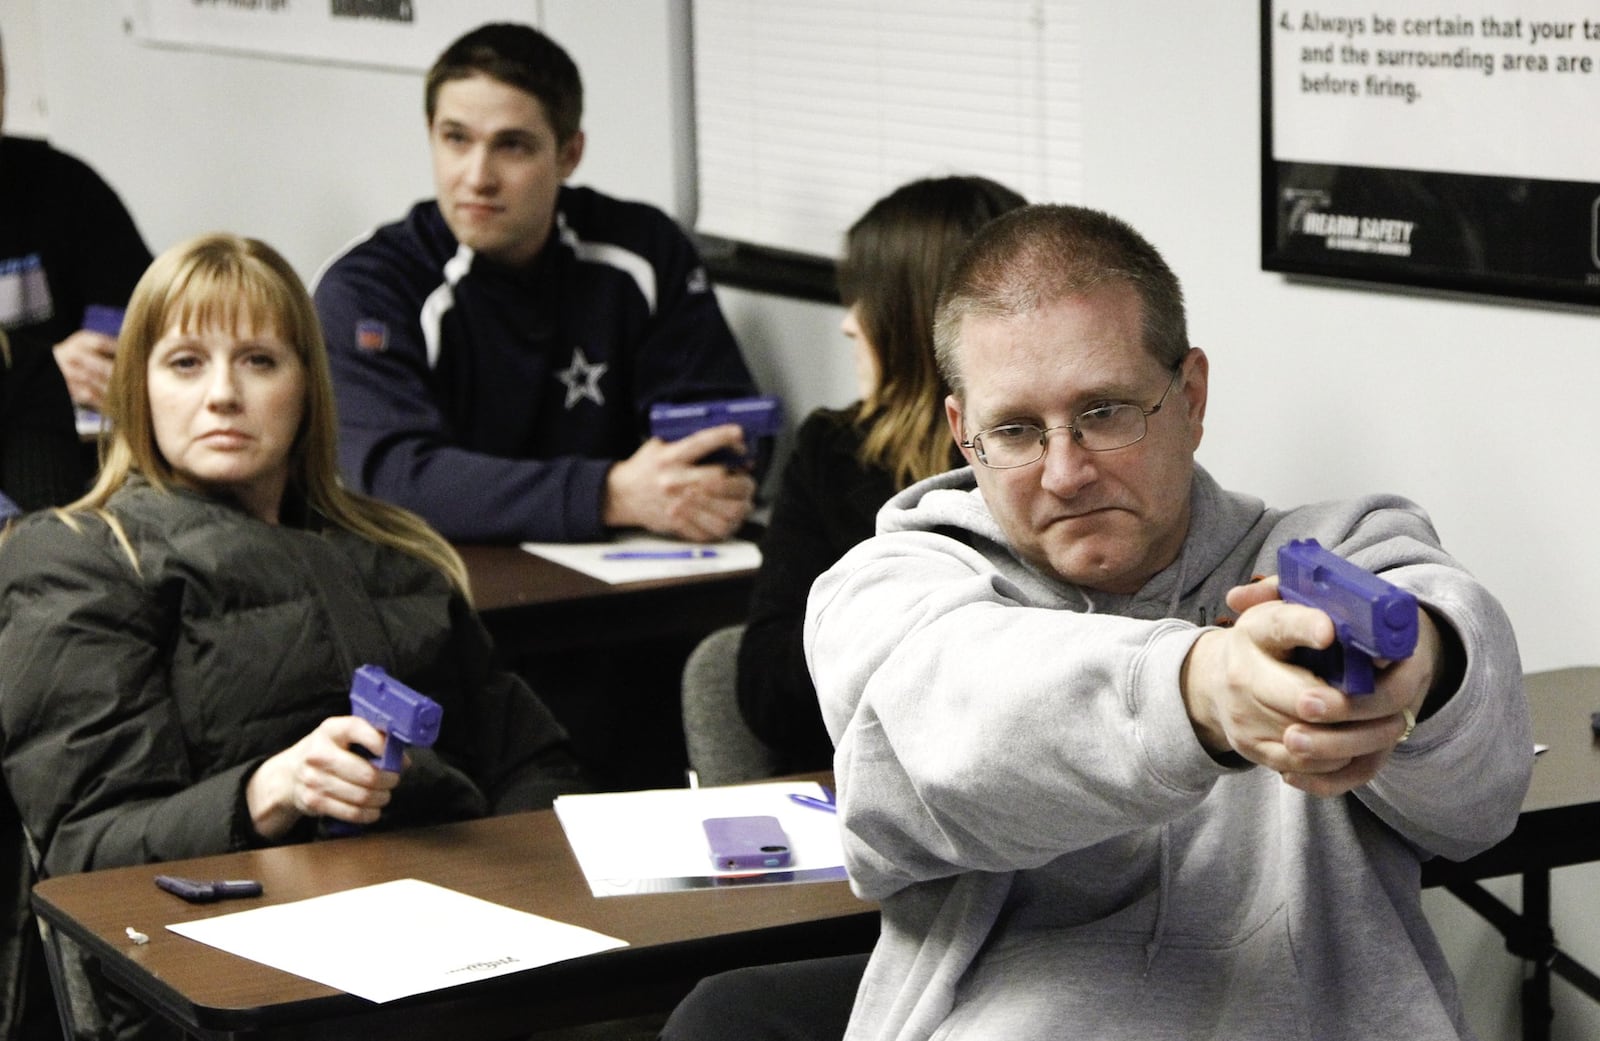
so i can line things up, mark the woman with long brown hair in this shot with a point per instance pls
(848, 462)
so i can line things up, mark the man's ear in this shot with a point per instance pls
(952, 414)
(571, 154)
(1196, 385)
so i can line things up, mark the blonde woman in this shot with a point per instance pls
(179, 643)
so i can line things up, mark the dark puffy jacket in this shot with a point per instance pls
(136, 701)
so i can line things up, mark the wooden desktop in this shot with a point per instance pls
(1559, 826)
(521, 861)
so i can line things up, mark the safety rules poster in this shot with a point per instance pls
(1434, 144)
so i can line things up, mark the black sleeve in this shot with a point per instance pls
(42, 460)
(825, 505)
(102, 249)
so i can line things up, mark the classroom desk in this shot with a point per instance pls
(533, 606)
(607, 659)
(1559, 826)
(521, 861)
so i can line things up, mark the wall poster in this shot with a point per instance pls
(394, 34)
(1435, 144)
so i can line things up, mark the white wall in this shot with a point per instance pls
(1483, 411)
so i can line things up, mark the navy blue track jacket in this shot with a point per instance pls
(493, 400)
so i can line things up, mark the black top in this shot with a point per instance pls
(42, 461)
(66, 242)
(826, 504)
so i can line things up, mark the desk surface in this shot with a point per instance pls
(507, 576)
(1558, 825)
(535, 605)
(522, 861)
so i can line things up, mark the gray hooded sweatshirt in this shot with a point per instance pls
(1055, 853)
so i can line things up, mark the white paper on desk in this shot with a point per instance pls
(590, 557)
(652, 841)
(394, 939)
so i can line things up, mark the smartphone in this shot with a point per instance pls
(746, 842)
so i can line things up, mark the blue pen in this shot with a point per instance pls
(827, 804)
(659, 554)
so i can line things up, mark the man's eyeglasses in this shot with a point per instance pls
(1104, 428)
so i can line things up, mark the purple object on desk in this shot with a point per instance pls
(826, 803)
(198, 891)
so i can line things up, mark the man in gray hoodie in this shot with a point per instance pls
(1076, 765)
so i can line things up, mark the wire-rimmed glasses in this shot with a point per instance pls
(1104, 428)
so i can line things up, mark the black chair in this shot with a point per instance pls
(27, 1003)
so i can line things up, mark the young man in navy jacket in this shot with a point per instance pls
(496, 352)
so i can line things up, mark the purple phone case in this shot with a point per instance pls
(742, 843)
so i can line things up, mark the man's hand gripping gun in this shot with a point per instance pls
(1372, 619)
(407, 719)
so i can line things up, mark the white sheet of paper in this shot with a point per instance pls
(681, 558)
(652, 841)
(440, 938)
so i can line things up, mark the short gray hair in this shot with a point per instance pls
(1037, 255)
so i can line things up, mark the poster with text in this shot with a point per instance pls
(395, 34)
(1433, 144)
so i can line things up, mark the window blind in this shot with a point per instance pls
(807, 111)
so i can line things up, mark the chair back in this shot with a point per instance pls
(722, 749)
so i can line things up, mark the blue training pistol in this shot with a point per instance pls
(406, 718)
(1372, 619)
(760, 417)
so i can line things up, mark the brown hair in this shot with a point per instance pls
(1041, 254)
(895, 258)
(519, 56)
(229, 281)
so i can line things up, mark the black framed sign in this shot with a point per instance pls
(1425, 144)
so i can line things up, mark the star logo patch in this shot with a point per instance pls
(582, 379)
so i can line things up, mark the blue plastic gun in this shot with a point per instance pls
(406, 717)
(1371, 618)
(760, 417)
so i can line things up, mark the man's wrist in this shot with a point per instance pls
(1196, 703)
(1449, 667)
(613, 503)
